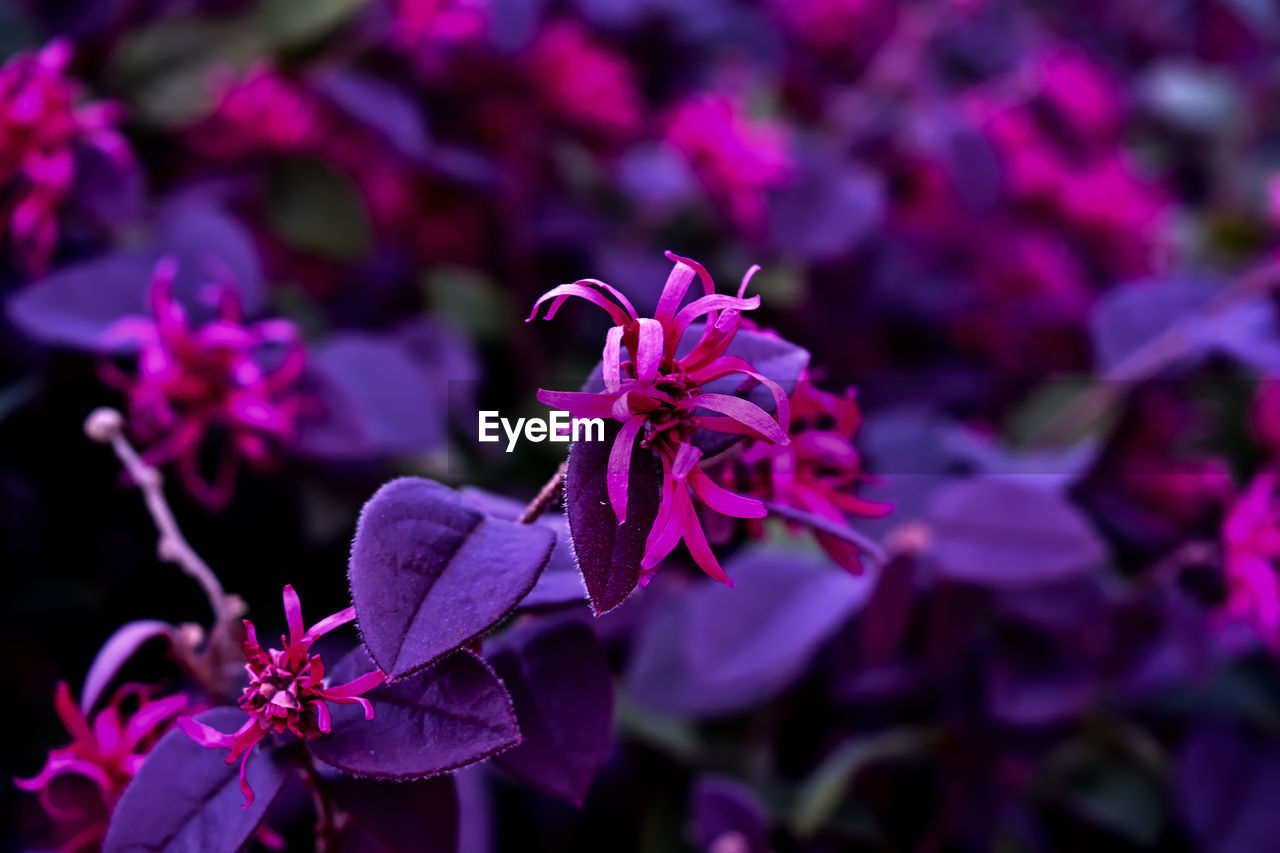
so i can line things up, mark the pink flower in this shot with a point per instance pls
(583, 81)
(261, 111)
(839, 26)
(817, 472)
(1251, 545)
(658, 398)
(286, 691)
(104, 752)
(42, 123)
(192, 380)
(431, 23)
(738, 160)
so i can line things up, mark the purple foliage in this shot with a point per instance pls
(429, 574)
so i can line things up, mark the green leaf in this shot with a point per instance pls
(316, 209)
(822, 793)
(294, 23)
(165, 69)
(470, 301)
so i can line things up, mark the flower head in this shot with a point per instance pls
(260, 111)
(286, 691)
(1251, 549)
(42, 123)
(583, 81)
(225, 374)
(104, 752)
(817, 472)
(738, 160)
(658, 397)
(431, 23)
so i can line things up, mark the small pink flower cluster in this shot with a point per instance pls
(737, 159)
(43, 121)
(286, 691)
(192, 380)
(105, 752)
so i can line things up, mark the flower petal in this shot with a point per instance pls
(618, 470)
(622, 315)
(722, 500)
(293, 614)
(747, 413)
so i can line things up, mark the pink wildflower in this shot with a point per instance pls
(286, 691)
(428, 23)
(105, 752)
(657, 397)
(191, 380)
(583, 81)
(261, 111)
(1251, 545)
(817, 472)
(42, 123)
(738, 160)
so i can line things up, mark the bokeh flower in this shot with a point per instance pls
(1251, 549)
(191, 380)
(286, 691)
(817, 472)
(44, 122)
(738, 160)
(105, 752)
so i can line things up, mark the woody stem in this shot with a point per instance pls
(545, 498)
(106, 426)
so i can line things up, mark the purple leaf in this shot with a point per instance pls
(828, 211)
(211, 245)
(115, 653)
(560, 681)
(608, 553)
(723, 809)
(382, 107)
(380, 395)
(390, 817)
(1228, 784)
(714, 650)
(186, 797)
(450, 715)
(429, 573)
(833, 529)
(560, 584)
(1127, 319)
(1002, 533)
(74, 306)
(770, 356)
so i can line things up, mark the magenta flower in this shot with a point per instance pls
(738, 160)
(658, 398)
(189, 381)
(1251, 549)
(105, 752)
(286, 691)
(423, 24)
(42, 122)
(260, 111)
(584, 82)
(818, 472)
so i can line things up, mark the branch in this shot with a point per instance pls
(106, 426)
(546, 497)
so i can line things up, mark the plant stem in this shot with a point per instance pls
(106, 426)
(546, 497)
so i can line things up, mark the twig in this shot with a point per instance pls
(106, 426)
(546, 497)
